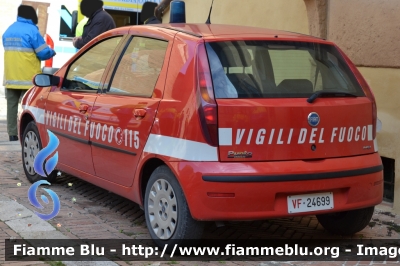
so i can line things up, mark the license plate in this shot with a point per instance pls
(310, 202)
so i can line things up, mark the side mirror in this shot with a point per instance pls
(46, 80)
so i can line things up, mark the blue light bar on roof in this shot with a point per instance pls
(177, 12)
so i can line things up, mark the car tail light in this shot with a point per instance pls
(367, 90)
(208, 106)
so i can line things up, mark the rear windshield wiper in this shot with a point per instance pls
(331, 94)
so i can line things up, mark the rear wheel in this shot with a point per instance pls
(167, 214)
(31, 145)
(347, 222)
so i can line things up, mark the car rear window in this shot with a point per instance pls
(277, 69)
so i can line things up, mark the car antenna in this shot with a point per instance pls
(209, 14)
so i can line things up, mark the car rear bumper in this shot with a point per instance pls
(259, 190)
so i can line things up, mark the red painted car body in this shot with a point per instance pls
(235, 159)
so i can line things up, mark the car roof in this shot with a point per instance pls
(222, 31)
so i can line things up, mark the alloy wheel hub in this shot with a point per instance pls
(31, 149)
(162, 209)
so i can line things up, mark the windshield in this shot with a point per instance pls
(272, 69)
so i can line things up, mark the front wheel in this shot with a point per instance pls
(167, 214)
(347, 222)
(31, 145)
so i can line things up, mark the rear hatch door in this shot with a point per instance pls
(287, 101)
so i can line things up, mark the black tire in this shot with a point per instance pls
(31, 145)
(347, 222)
(174, 223)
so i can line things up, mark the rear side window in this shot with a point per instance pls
(139, 67)
(270, 69)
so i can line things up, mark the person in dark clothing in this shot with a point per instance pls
(156, 17)
(99, 21)
(147, 15)
(160, 9)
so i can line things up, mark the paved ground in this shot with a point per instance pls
(89, 212)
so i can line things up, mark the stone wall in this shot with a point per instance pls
(368, 31)
(317, 12)
(290, 15)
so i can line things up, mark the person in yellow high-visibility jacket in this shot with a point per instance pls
(79, 27)
(24, 48)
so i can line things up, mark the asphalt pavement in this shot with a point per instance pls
(90, 212)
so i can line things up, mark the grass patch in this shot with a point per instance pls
(392, 226)
(50, 262)
(128, 233)
(372, 224)
(388, 214)
(55, 263)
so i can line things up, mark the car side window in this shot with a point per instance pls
(85, 73)
(139, 67)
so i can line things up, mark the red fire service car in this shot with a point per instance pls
(203, 122)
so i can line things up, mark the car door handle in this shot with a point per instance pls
(139, 113)
(83, 108)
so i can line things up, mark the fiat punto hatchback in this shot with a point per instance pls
(198, 122)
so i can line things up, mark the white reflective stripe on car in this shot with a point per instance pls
(38, 113)
(375, 145)
(158, 144)
(225, 136)
(369, 132)
(181, 148)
